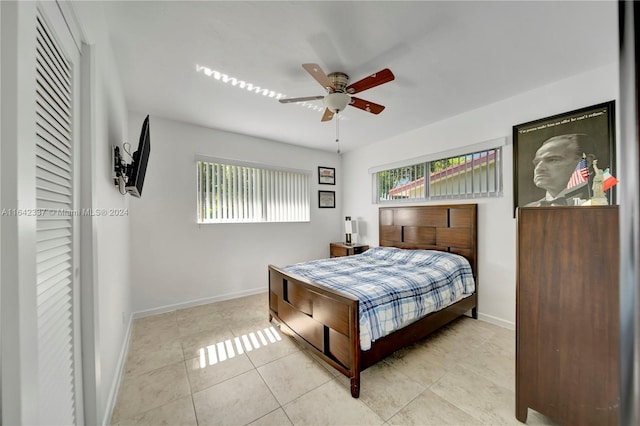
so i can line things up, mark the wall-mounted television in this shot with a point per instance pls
(138, 167)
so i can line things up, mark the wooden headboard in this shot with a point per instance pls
(451, 228)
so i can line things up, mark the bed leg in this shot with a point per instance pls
(521, 413)
(474, 313)
(355, 387)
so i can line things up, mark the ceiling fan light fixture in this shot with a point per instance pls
(337, 101)
(339, 91)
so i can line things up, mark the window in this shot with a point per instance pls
(402, 183)
(232, 191)
(475, 174)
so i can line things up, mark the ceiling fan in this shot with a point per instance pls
(339, 94)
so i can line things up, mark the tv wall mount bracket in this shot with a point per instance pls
(120, 169)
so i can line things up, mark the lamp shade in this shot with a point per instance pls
(348, 229)
(348, 226)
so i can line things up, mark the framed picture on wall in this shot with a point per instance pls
(566, 159)
(326, 199)
(327, 175)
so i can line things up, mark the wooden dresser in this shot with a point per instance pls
(567, 322)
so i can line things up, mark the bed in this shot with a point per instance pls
(327, 320)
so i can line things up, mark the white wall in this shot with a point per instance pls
(496, 225)
(108, 236)
(17, 265)
(176, 262)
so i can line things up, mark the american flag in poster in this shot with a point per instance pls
(580, 175)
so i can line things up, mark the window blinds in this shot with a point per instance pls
(241, 193)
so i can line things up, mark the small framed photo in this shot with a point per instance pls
(566, 159)
(327, 199)
(326, 175)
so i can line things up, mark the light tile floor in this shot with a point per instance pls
(184, 368)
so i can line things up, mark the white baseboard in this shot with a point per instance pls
(497, 321)
(115, 386)
(191, 304)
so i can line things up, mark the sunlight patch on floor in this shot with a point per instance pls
(224, 350)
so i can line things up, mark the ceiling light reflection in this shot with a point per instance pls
(238, 83)
(241, 84)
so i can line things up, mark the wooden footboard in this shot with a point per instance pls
(321, 319)
(326, 321)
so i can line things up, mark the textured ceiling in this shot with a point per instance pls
(448, 57)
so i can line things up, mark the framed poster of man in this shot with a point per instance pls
(561, 160)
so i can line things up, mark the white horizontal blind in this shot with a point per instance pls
(241, 193)
(467, 176)
(476, 174)
(54, 231)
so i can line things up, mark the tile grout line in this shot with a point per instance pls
(272, 394)
(184, 360)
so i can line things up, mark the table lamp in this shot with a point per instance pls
(348, 229)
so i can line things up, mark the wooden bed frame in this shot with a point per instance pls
(326, 321)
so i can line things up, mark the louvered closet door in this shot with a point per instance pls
(55, 230)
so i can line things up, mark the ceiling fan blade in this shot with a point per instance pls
(366, 105)
(308, 98)
(320, 76)
(327, 116)
(381, 77)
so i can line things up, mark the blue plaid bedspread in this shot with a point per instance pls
(394, 286)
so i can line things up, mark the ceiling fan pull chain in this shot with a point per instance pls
(338, 130)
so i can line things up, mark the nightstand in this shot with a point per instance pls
(342, 249)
